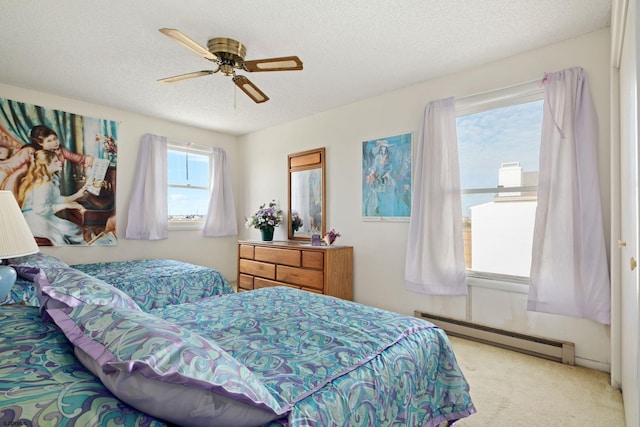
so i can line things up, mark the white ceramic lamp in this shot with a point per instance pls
(15, 239)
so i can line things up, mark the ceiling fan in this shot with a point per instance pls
(229, 54)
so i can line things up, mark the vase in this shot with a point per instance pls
(267, 234)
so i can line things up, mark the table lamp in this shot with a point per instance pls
(15, 240)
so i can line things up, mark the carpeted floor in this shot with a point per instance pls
(514, 389)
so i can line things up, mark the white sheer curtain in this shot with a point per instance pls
(569, 273)
(148, 208)
(221, 216)
(435, 249)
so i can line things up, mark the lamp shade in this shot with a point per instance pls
(15, 236)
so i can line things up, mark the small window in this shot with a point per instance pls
(499, 154)
(189, 171)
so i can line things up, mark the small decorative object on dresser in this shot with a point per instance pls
(331, 237)
(322, 269)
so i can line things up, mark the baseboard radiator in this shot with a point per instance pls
(559, 351)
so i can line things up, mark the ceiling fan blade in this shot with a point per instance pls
(286, 63)
(186, 76)
(188, 43)
(250, 89)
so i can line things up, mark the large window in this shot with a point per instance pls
(499, 152)
(189, 171)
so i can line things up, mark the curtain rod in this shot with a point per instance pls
(488, 92)
(189, 144)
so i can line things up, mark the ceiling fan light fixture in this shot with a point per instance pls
(188, 43)
(250, 89)
(226, 69)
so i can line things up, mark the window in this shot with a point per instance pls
(189, 171)
(499, 148)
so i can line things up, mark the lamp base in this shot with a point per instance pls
(8, 277)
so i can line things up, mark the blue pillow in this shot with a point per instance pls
(165, 370)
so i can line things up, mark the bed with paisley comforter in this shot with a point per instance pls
(152, 283)
(156, 283)
(89, 355)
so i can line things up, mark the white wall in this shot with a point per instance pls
(380, 248)
(187, 246)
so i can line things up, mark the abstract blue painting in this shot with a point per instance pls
(386, 178)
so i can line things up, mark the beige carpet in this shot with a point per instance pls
(514, 389)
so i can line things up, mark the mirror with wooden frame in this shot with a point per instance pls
(307, 194)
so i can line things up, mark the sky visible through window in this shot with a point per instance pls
(188, 201)
(488, 139)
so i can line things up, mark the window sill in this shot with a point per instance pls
(186, 225)
(500, 282)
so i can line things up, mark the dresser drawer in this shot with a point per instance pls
(256, 268)
(278, 256)
(311, 259)
(301, 276)
(245, 281)
(265, 283)
(246, 251)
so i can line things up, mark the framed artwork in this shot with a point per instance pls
(386, 178)
(61, 167)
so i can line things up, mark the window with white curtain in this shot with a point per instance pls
(189, 176)
(498, 147)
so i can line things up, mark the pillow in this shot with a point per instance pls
(68, 287)
(165, 370)
(39, 260)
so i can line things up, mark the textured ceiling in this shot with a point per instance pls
(111, 52)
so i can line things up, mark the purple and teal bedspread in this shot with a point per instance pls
(43, 384)
(335, 362)
(325, 361)
(156, 283)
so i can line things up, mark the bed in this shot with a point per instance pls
(152, 283)
(156, 283)
(270, 357)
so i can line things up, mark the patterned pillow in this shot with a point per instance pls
(68, 287)
(39, 260)
(165, 370)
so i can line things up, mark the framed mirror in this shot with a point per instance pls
(307, 213)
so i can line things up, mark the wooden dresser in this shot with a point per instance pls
(323, 269)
